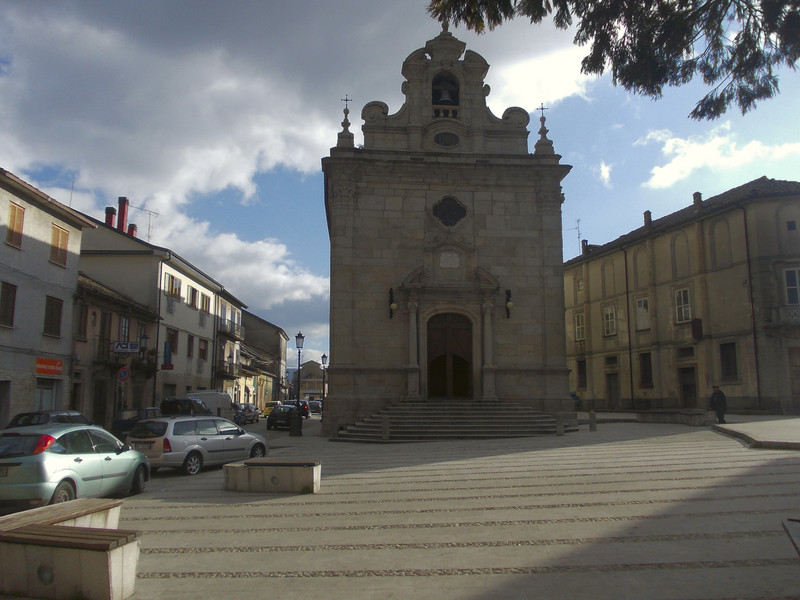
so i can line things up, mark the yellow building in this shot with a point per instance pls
(708, 295)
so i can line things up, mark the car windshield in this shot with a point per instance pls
(17, 445)
(148, 429)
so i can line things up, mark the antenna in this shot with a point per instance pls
(578, 228)
(150, 213)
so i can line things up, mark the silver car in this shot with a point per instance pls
(57, 462)
(190, 443)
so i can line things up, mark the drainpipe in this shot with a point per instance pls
(752, 307)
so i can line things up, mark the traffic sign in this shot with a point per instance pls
(123, 374)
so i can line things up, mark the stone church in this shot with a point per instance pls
(446, 249)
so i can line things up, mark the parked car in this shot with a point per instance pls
(190, 443)
(315, 407)
(57, 462)
(184, 406)
(279, 416)
(268, 406)
(246, 413)
(124, 420)
(302, 406)
(41, 417)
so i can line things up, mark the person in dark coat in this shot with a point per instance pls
(718, 403)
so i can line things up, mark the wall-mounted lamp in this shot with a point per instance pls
(143, 346)
(509, 304)
(392, 305)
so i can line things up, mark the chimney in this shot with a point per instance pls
(697, 197)
(122, 222)
(648, 218)
(132, 230)
(110, 213)
(584, 246)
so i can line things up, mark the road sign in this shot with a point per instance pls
(123, 374)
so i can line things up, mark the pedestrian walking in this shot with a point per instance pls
(718, 403)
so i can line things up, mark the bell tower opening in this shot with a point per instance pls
(445, 95)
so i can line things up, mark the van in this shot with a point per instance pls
(219, 403)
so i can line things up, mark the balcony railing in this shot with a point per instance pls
(231, 328)
(789, 315)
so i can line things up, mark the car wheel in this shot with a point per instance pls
(137, 485)
(64, 493)
(258, 451)
(192, 464)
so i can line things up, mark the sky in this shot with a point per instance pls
(212, 119)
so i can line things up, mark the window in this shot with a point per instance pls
(124, 328)
(610, 320)
(172, 339)
(189, 346)
(192, 297)
(202, 349)
(642, 314)
(205, 303)
(580, 326)
(792, 286)
(172, 286)
(16, 214)
(645, 370)
(729, 369)
(8, 301)
(581, 368)
(58, 245)
(52, 316)
(791, 226)
(82, 321)
(683, 309)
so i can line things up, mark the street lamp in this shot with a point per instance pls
(324, 362)
(298, 339)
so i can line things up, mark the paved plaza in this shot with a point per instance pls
(630, 510)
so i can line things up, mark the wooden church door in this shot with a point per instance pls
(449, 356)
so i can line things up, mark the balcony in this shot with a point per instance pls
(228, 369)
(231, 328)
(789, 315)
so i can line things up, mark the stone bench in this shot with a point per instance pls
(696, 417)
(82, 512)
(68, 550)
(273, 476)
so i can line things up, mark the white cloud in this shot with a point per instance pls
(717, 150)
(546, 78)
(603, 171)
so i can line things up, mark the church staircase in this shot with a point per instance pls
(434, 420)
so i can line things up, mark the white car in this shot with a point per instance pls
(190, 443)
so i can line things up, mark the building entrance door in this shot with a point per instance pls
(688, 387)
(449, 356)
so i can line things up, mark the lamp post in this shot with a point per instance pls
(298, 339)
(324, 362)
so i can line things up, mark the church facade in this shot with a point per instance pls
(446, 249)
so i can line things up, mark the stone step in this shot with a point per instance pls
(446, 420)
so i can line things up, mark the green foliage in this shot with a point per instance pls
(734, 46)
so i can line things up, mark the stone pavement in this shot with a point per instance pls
(631, 510)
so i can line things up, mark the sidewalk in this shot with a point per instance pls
(632, 510)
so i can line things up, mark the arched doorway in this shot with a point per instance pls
(449, 356)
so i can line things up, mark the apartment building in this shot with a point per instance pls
(196, 342)
(707, 295)
(38, 279)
